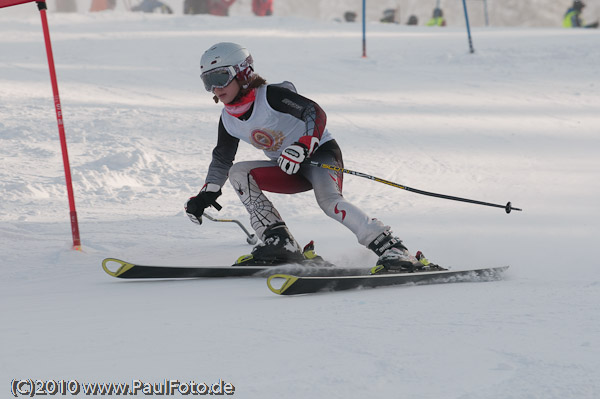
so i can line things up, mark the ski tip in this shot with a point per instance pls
(124, 266)
(274, 281)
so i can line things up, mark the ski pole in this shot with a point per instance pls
(251, 237)
(508, 207)
(468, 28)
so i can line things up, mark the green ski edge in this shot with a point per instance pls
(287, 284)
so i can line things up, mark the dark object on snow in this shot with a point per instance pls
(389, 16)
(213, 7)
(350, 16)
(151, 6)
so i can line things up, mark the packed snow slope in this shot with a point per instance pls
(515, 121)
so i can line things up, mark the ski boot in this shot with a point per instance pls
(278, 247)
(393, 255)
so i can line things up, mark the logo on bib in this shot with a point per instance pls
(266, 139)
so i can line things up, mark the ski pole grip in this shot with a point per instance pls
(216, 205)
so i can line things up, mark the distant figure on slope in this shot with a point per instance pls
(389, 16)
(262, 8)
(290, 129)
(213, 7)
(151, 6)
(350, 16)
(438, 18)
(572, 18)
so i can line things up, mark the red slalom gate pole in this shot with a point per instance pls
(61, 129)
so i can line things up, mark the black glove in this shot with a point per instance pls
(196, 205)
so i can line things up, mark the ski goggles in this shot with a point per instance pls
(218, 78)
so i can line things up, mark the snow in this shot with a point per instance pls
(518, 120)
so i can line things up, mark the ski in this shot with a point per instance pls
(287, 284)
(127, 270)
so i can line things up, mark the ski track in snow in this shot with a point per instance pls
(517, 121)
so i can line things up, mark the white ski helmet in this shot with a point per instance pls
(224, 62)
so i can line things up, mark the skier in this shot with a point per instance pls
(213, 7)
(262, 8)
(412, 20)
(572, 18)
(437, 19)
(389, 16)
(290, 129)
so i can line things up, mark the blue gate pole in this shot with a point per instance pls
(468, 28)
(364, 28)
